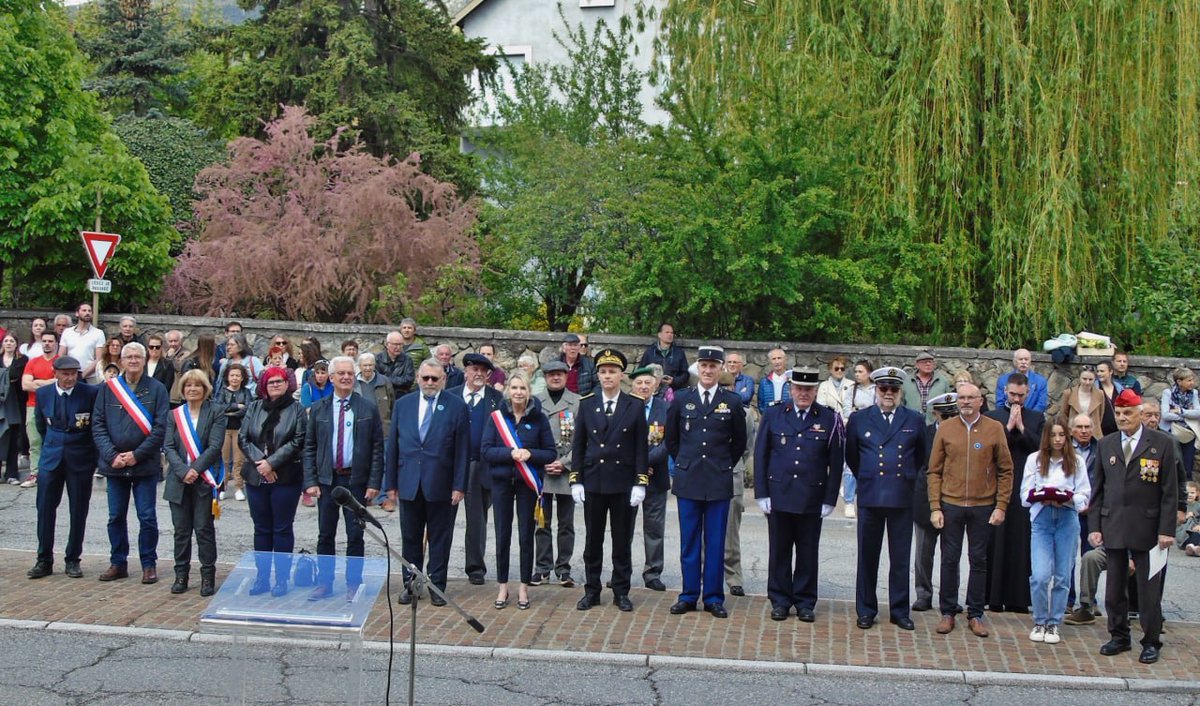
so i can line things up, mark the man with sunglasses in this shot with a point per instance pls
(885, 450)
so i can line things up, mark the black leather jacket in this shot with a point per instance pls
(282, 452)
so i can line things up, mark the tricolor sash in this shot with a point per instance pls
(509, 436)
(131, 404)
(191, 445)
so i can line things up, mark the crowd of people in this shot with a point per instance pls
(1035, 489)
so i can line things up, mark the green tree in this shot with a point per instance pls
(138, 52)
(173, 151)
(57, 156)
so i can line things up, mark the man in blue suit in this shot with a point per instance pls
(482, 399)
(798, 454)
(885, 450)
(343, 446)
(63, 413)
(706, 434)
(426, 460)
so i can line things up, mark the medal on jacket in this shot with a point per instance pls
(566, 426)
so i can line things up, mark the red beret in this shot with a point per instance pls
(1127, 398)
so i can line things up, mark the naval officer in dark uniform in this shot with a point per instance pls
(706, 434)
(799, 452)
(885, 450)
(610, 472)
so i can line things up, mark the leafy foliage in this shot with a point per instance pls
(57, 158)
(299, 229)
(173, 151)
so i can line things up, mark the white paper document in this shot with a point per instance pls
(1158, 559)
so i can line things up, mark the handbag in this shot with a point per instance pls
(1182, 433)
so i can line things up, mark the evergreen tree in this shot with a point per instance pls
(137, 55)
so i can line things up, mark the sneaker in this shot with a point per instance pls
(1080, 616)
(240, 495)
(14, 481)
(1038, 634)
(566, 581)
(30, 482)
(535, 580)
(222, 495)
(1052, 637)
(850, 512)
(1190, 549)
(97, 475)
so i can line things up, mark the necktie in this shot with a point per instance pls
(647, 413)
(428, 416)
(474, 399)
(339, 454)
(1128, 446)
(608, 408)
(707, 398)
(63, 399)
(888, 418)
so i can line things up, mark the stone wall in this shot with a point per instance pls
(985, 364)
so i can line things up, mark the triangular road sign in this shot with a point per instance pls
(100, 248)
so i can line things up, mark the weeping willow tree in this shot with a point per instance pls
(1037, 150)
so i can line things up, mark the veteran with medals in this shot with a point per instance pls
(706, 434)
(1132, 512)
(609, 475)
(799, 452)
(885, 450)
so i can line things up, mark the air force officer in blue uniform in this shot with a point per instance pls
(706, 434)
(798, 452)
(885, 449)
(63, 414)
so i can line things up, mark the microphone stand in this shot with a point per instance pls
(416, 581)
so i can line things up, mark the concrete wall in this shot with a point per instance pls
(986, 364)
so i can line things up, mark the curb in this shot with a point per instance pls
(973, 678)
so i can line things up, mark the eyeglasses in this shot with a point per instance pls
(888, 388)
(430, 378)
(280, 342)
(276, 381)
(154, 348)
(839, 369)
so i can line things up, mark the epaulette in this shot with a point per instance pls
(634, 394)
(584, 397)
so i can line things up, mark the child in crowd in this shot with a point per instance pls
(234, 397)
(1187, 535)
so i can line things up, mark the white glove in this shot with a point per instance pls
(764, 504)
(826, 510)
(637, 495)
(577, 492)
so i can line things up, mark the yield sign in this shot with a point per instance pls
(99, 248)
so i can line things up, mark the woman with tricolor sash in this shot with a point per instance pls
(195, 432)
(517, 444)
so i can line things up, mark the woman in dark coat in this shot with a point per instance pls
(189, 492)
(271, 439)
(522, 416)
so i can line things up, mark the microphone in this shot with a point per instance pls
(343, 497)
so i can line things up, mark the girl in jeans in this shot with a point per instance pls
(1056, 489)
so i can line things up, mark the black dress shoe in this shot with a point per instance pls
(40, 570)
(656, 585)
(806, 615)
(73, 570)
(682, 607)
(436, 600)
(587, 602)
(904, 623)
(779, 612)
(864, 622)
(1114, 647)
(405, 598)
(922, 605)
(1149, 655)
(716, 609)
(737, 591)
(475, 579)
(623, 604)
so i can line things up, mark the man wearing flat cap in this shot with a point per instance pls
(581, 370)
(610, 472)
(924, 385)
(561, 406)
(63, 414)
(482, 399)
(925, 535)
(799, 453)
(885, 450)
(1134, 495)
(706, 434)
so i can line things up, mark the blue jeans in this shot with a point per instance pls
(849, 486)
(1053, 545)
(273, 512)
(145, 491)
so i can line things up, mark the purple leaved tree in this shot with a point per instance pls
(297, 229)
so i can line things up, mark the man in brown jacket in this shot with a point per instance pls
(970, 481)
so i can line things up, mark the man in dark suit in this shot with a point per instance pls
(706, 434)
(427, 457)
(885, 450)
(1134, 496)
(63, 414)
(799, 450)
(343, 446)
(481, 399)
(609, 476)
(654, 507)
